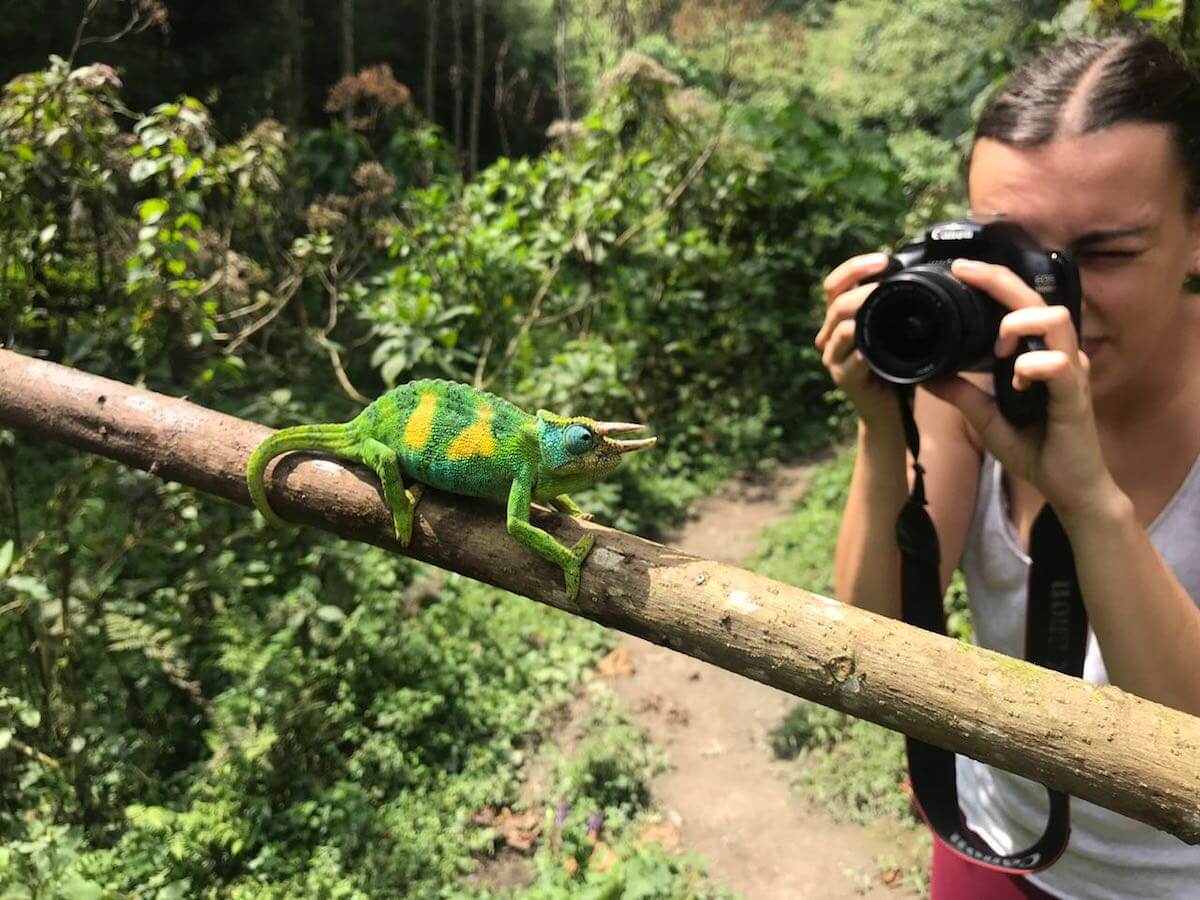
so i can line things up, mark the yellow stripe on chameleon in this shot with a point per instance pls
(476, 439)
(420, 423)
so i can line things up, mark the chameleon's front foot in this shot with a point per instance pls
(403, 518)
(572, 568)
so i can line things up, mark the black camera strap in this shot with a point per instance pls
(1055, 637)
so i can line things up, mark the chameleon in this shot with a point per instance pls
(458, 439)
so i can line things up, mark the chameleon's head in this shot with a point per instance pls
(583, 449)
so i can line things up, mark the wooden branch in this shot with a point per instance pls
(1097, 742)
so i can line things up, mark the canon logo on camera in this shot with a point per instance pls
(950, 233)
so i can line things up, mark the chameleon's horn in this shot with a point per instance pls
(627, 446)
(606, 428)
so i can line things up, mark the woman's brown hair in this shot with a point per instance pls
(1092, 83)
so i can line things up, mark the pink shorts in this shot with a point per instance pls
(954, 878)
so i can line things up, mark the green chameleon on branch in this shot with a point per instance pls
(466, 441)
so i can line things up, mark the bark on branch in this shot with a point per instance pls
(1099, 743)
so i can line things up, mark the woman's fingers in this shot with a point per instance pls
(1063, 375)
(840, 343)
(852, 271)
(1000, 283)
(1051, 323)
(1056, 360)
(842, 309)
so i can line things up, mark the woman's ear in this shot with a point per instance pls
(1194, 245)
(1191, 282)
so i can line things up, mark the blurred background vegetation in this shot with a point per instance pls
(616, 207)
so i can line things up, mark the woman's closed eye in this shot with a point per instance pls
(1109, 255)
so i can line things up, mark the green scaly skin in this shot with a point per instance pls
(465, 441)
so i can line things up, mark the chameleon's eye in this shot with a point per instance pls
(579, 440)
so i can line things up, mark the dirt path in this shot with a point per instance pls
(726, 793)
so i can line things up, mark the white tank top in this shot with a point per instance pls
(1109, 855)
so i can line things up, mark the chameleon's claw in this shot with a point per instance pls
(582, 516)
(404, 523)
(403, 530)
(571, 570)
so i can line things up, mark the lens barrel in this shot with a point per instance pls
(923, 323)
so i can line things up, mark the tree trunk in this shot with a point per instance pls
(431, 40)
(502, 100)
(289, 71)
(562, 15)
(456, 80)
(346, 26)
(476, 90)
(1099, 743)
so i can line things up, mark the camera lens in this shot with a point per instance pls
(909, 328)
(923, 323)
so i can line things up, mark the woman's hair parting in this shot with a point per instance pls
(1092, 83)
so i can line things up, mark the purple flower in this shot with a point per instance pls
(595, 822)
(560, 815)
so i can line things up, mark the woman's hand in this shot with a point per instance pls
(873, 399)
(1063, 457)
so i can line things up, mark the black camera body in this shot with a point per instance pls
(923, 323)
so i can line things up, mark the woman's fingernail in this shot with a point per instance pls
(877, 259)
(970, 265)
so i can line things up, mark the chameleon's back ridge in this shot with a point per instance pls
(452, 437)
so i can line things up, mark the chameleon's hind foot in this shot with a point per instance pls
(571, 569)
(404, 526)
(563, 503)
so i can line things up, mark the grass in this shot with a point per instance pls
(596, 839)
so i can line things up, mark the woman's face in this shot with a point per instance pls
(1114, 200)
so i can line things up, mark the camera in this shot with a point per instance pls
(922, 322)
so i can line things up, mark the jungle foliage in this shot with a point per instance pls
(192, 704)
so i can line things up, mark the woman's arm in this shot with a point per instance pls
(867, 562)
(1146, 624)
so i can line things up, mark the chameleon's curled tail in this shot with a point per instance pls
(323, 438)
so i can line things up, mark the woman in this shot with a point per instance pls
(1094, 147)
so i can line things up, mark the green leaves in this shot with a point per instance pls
(417, 333)
(150, 211)
(75, 187)
(331, 614)
(281, 714)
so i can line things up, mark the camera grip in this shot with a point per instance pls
(1025, 407)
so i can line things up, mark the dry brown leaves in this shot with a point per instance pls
(518, 831)
(617, 664)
